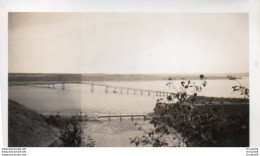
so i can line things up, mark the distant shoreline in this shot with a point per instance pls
(20, 77)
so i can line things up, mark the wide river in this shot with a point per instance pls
(78, 97)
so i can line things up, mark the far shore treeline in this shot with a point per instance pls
(14, 77)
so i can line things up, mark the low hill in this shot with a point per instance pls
(27, 128)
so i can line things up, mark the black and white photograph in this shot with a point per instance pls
(118, 79)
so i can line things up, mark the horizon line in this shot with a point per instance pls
(126, 73)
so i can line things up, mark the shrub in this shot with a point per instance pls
(189, 123)
(71, 131)
(71, 135)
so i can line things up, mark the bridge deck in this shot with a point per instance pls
(120, 116)
(88, 83)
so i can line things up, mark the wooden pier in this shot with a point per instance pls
(122, 116)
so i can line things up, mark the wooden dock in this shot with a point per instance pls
(122, 116)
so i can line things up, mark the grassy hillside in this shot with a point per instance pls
(27, 128)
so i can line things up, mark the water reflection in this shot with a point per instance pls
(78, 97)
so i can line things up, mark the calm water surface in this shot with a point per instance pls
(78, 97)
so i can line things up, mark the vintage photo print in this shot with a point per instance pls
(118, 79)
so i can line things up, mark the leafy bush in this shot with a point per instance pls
(56, 121)
(187, 122)
(239, 88)
(71, 131)
(71, 134)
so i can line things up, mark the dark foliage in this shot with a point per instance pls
(71, 134)
(71, 131)
(190, 123)
(242, 90)
(201, 125)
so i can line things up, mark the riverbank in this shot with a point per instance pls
(27, 128)
(203, 125)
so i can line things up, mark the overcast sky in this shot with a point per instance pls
(128, 43)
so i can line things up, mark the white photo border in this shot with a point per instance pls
(252, 7)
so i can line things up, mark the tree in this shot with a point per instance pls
(188, 123)
(239, 88)
(71, 131)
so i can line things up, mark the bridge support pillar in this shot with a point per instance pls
(141, 92)
(134, 91)
(149, 93)
(92, 87)
(121, 90)
(120, 118)
(132, 118)
(63, 86)
(106, 89)
(156, 93)
(160, 93)
(127, 91)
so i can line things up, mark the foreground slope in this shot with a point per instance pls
(27, 128)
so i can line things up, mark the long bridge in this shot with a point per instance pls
(127, 90)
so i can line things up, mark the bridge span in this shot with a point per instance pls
(107, 88)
